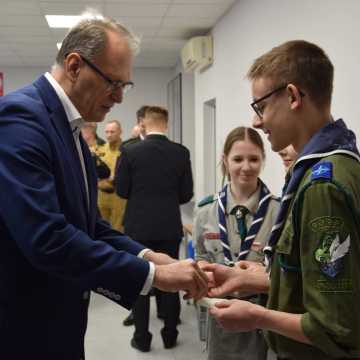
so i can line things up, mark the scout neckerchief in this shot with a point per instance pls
(334, 138)
(240, 213)
(265, 197)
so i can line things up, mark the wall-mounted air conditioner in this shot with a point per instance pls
(197, 53)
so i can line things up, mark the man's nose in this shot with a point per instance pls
(117, 95)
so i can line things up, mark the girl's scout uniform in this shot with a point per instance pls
(208, 237)
(315, 256)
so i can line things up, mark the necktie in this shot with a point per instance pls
(240, 214)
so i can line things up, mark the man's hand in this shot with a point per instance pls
(245, 279)
(238, 315)
(158, 258)
(182, 275)
(251, 266)
(223, 279)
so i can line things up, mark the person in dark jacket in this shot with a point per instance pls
(55, 249)
(155, 176)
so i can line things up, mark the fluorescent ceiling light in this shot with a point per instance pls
(62, 21)
(68, 21)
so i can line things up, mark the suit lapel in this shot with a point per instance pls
(91, 179)
(60, 122)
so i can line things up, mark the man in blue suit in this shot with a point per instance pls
(54, 246)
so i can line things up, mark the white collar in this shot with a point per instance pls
(156, 133)
(72, 113)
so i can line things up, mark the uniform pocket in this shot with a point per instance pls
(214, 250)
(285, 243)
(287, 252)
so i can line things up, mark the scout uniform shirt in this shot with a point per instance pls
(224, 345)
(206, 236)
(315, 270)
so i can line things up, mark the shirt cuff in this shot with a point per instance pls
(142, 253)
(150, 278)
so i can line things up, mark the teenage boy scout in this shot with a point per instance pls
(314, 247)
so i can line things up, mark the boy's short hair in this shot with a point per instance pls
(301, 63)
(140, 114)
(157, 113)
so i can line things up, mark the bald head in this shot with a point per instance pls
(113, 132)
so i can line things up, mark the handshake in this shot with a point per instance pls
(200, 279)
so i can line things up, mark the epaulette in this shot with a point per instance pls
(207, 200)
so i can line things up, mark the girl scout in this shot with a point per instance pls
(233, 225)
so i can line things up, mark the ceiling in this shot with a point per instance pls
(164, 26)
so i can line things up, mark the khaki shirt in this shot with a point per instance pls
(300, 283)
(109, 156)
(97, 149)
(206, 235)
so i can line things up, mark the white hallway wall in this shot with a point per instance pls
(188, 109)
(253, 27)
(150, 88)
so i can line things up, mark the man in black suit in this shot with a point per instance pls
(140, 114)
(155, 176)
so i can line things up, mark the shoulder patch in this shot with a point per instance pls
(207, 200)
(322, 170)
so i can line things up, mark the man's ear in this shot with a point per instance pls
(295, 98)
(72, 66)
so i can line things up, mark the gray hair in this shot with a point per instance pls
(89, 37)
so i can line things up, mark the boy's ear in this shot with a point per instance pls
(294, 96)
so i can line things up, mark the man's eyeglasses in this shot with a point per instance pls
(258, 105)
(114, 85)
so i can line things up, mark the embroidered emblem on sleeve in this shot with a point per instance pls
(322, 170)
(331, 254)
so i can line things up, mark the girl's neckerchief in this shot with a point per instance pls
(264, 201)
(333, 138)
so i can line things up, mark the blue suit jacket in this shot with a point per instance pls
(54, 248)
